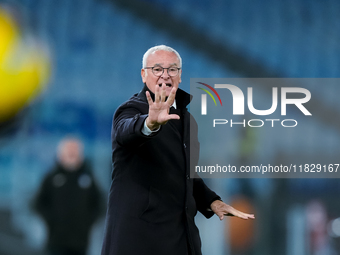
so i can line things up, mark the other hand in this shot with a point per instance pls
(221, 209)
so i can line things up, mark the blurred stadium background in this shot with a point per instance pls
(94, 60)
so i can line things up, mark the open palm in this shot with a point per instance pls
(159, 109)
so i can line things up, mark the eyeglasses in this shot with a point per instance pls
(158, 70)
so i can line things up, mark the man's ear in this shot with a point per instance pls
(143, 74)
(180, 76)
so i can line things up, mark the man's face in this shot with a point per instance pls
(70, 154)
(164, 59)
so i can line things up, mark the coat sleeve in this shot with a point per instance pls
(127, 126)
(202, 194)
(204, 197)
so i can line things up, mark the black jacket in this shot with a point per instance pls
(69, 202)
(152, 200)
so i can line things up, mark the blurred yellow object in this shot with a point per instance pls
(24, 67)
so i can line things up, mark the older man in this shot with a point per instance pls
(153, 201)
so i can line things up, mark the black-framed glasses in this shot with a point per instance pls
(158, 70)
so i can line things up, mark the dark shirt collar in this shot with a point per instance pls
(182, 97)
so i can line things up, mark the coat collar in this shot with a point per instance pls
(182, 97)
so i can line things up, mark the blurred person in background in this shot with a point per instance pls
(69, 201)
(153, 200)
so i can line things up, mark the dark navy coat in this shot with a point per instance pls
(152, 199)
(69, 202)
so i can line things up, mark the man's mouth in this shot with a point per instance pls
(167, 84)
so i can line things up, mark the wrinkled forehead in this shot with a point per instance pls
(163, 58)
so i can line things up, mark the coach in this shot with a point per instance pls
(152, 200)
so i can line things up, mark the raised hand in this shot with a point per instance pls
(222, 209)
(159, 109)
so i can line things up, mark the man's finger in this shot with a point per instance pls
(241, 215)
(244, 215)
(172, 96)
(173, 117)
(157, 95)
(237, 213)
(148, 97)
(250, 216)
(163, 92)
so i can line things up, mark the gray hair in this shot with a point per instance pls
(157, 48)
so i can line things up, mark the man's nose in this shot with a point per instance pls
(165, 74)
